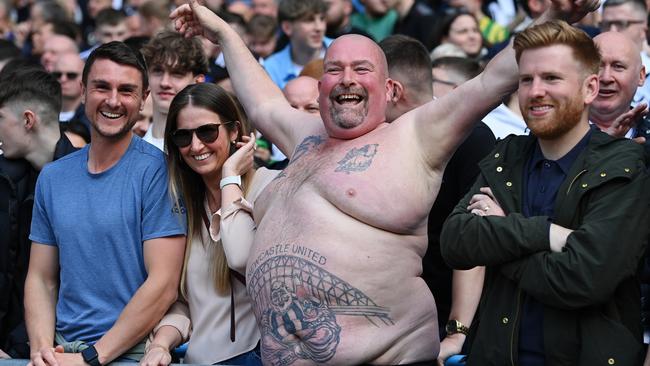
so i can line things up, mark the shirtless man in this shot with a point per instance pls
(334, 270)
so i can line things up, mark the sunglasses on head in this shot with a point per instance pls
(206, 133)
(70, 75)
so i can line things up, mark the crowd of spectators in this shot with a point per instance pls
(190, 84)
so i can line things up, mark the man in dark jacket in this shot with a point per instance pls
(30, 137)
(560, 220)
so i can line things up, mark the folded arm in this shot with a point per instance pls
(595, 258)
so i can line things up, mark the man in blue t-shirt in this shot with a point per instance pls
(107, 243)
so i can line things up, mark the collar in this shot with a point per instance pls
(567, 160)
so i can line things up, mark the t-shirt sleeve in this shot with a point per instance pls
(41, 229)
(160, 217)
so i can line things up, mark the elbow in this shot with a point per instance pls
(451, 246)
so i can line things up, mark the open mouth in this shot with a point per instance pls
(606, 93)
(349, 98)
(111, 115)
(202, 156)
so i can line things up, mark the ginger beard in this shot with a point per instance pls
(562, 118)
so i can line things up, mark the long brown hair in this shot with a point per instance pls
(186, 186)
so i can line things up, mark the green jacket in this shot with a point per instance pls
(589, 291)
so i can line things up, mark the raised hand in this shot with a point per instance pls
(572, 10)
(242, 160)
(625, 121)
(194, 19)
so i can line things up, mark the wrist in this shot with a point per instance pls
(230, 179)
(156, 345)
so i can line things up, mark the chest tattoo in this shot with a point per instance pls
(357, 159)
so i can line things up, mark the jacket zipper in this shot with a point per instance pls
(574, 180)
(514, 329)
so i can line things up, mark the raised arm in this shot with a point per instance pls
(262, 99)
(441, 125)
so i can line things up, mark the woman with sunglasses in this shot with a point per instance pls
(210, 162)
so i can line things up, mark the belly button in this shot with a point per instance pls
(351, 192)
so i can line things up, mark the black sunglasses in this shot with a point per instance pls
(206, 133)
(70, 75)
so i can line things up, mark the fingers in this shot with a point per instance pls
(48, 355)
(639, 140)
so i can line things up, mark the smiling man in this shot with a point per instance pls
(334, 272)
(621, 72)
(303, 21)
(174, 62)
(546, 215)
(107, 245)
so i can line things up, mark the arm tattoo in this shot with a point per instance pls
(297, 303)
(357, 159)
(307, 144)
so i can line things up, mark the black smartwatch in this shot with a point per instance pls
(454, 326)
(90, 356)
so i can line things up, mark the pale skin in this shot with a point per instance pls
(332, 223)
(163, 257)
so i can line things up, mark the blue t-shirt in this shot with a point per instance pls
(99, 222)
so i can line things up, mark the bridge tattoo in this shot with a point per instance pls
(357, 159)
(297, 303)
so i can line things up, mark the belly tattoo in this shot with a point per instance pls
(296, 302)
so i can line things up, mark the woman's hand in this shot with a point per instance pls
(156, 355)
(242, 160)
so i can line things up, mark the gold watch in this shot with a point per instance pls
(454, 326)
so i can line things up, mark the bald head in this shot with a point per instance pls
(54, 46)
(302, 94)
(620, 73)
(363, 46)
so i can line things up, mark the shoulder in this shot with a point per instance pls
(148, 152)
(604, 149)
(65, 164)
(278, 59)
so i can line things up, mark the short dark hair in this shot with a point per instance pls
(66, 28)
(262, 26)
(52, 11)
(109, 16)
(292, 10)
(8, 50)
(35, 86)
(170, 48)
(119, 53)
(409, 58)
(465, 67)
(639, 4)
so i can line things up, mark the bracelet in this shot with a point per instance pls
(156, 345)
(233, 179)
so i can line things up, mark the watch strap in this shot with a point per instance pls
(233, 179)
(90, 356)
(454, 326)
